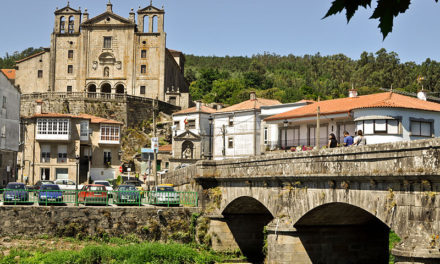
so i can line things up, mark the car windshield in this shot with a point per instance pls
(127, 188)
(15, 186)
(105, 183)
(165, 189)
(50, 187)
(97, 188)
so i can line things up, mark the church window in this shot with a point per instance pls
(40, 73)
(142, 91)
(143, 54)
(107, 42)
(69, 68)
(143, 69)
(70, 54)
(69, 89)
(62, 23)
(106, 72)
(154, 24)
(71, 24)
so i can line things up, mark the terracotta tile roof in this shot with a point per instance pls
(203, 109)
(34, 55)
(166, 148)
(249, 105)
(306, 101)
(174, 51)
(9, 73)
(345, 105)
(93, 119)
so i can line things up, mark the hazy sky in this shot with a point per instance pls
(244, 27)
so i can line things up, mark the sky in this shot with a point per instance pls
(244, 27)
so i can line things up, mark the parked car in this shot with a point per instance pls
(38, 185)
(164, 194)
(93, 194)
(67, 185)
(107, 185)
(138, 184)
(127, 194)
(50, 193)
(15, 192)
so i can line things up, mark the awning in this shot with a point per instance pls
(374, 117)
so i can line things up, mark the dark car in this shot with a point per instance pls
(50, 193)
(15, 193)
(127, 194)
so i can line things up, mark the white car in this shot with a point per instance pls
(67, 185)
(107, 185)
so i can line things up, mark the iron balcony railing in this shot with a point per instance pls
(88, 197)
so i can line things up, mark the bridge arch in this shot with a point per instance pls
(246, 218)
(343, 233)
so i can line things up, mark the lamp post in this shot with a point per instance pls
(286, 123)
(77, 179)
(210, 119)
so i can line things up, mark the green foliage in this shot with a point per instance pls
(8, 62)
(393, 240)
(385, 11)
(291, 78)
(133, 253)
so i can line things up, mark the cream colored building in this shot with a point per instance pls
(107, 54)
(56, 143)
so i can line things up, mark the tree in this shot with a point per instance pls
(385, 11)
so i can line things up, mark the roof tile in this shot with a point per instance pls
(9, 73)
(249, 105)
(204, 109)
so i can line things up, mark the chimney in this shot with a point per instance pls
(198, 105)
(85, 15)
(352, 93)
(131, 16)
(253, 96)
(109, 7)
(218, 107)
(39, 107)
(422, 95)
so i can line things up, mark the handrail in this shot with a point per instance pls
(85, 95)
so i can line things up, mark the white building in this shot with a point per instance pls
(9, 129)
(271, 134)
(191, 135)
(237, 128)
(383, 117)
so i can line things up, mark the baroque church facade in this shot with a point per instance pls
(107, 54)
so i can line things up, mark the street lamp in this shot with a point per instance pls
(210, 119)
(77, 179)
(286, 123)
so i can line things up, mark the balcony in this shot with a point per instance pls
(52, 137)
(109, 142)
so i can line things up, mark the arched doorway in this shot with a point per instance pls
(343, 233)
(120, 90)
(246, 217)
(106, 90)
(91, 91)
(187, 150)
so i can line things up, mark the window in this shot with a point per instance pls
(45, 153)
(107, 42)
(265, 136)
(378, 126)
(107, 157)
(423, 128)
(70, 69)
(142, 91)
(177, 124)
(84, 127)
(70, 54)
(230, 142)
(3, 131)
(40, 74)
(63, 173)
(4, 102)
(53, 126)
(143, 54)
(62, 154)
(143, 69)
(109, 133)
(231, 121)
(192, 124)
(45, 174)
(69, 89)
(172, 100)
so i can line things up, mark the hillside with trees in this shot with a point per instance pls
(8, 61)
(291, 78)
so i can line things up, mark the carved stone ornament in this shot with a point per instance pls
(95, 65)
(118, 65)
(187, 153)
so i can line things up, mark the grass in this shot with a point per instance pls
(151, 253)
(393, 240)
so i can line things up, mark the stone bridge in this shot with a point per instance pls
(326, 206)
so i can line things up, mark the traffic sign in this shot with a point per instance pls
(120, 168)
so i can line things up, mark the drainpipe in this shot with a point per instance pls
(255, 132)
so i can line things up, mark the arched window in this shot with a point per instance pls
(71, 24)
(62, 24)
(146, 24)
(155, 24)
(106, 88)
(91, 91)
(106, 72)
(120, 89)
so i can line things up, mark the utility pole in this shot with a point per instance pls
(154, 147)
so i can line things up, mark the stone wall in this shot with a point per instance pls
(147, 223)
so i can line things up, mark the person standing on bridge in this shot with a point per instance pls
(348, 140)
(332, 142)
(360, 139)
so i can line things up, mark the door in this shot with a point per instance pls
(44, 174)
